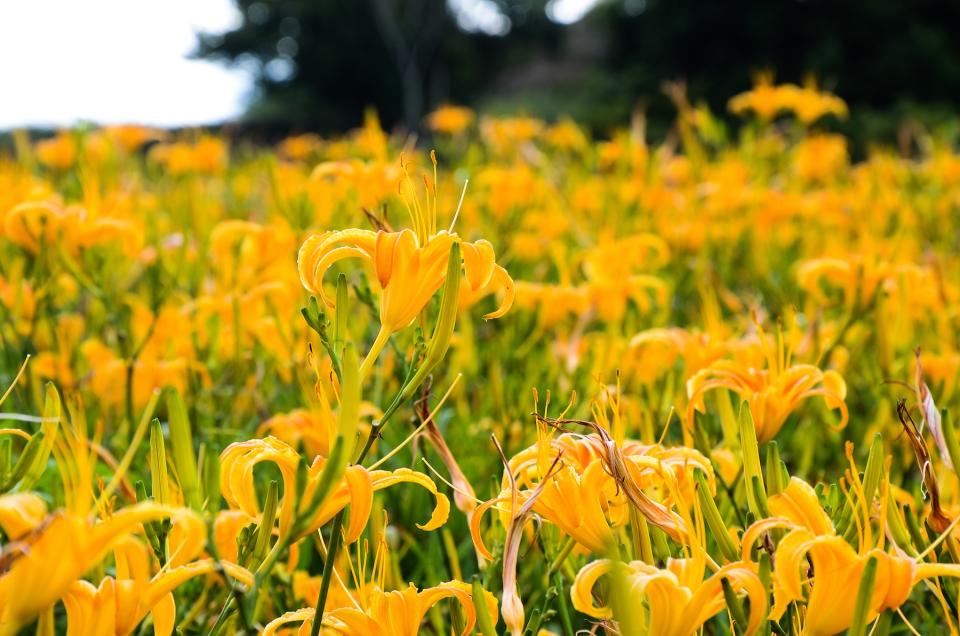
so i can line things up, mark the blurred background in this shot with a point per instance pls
(281, 66)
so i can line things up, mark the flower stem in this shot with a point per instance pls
(328, 566)
(383, 336)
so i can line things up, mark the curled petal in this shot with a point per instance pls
(475, 522)
(237, 463)
(441, 510)
(479, 262)
(742, 577)
(501, 280)
(319, 252)
(581, 592)
(463, 593)
(304, 616)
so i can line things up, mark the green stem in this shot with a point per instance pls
(327, 573)
(383, 336)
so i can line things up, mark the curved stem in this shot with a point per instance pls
(383, 336)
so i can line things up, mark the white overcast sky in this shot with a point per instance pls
(114, 61)
(124, 61)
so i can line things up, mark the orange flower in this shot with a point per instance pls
(773, 393)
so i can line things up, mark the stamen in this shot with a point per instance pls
(456, 214)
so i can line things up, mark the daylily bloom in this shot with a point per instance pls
(64, 547)
(773, 393)
(409, 269)
(314, 429)
(450, 119)
(585, 498)
(390, 613)
(355, 488)
(677, 598)
(410, 265)
(837, 567)
(58, 152)
(118, 605)
(51, 553)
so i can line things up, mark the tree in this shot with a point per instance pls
(320, 63)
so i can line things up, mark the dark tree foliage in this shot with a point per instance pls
(872, 52)
(320, 63)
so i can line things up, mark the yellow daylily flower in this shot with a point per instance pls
(410, 265)
(806, 102)
(675, 600)
(830, 587)
(51, 556)
(66, 546)
(450, 119)
(584, 500)
(772, 392)
(409, 269)
(58, 152)
(355, 488)
(678, 599)
(390, 613)
(118, 605)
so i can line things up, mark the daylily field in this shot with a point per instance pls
(509, 379)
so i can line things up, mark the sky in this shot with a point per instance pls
(126, 61)
(114, 61)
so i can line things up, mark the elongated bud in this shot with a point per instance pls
(728, 419)
(6, 459)
(28, 456)
(777, 476)
(756, 494)
(622, 601)
(443, 331)
(874, 470)
(342, 311)
(348, 420)
(158, 464)
(210, 472)
(184, 460)
(765, 569)
(714, 520)
(896, 526)
(348, 416)
(449, 303)
(150, 527)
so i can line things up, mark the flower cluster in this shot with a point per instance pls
(288, 390)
